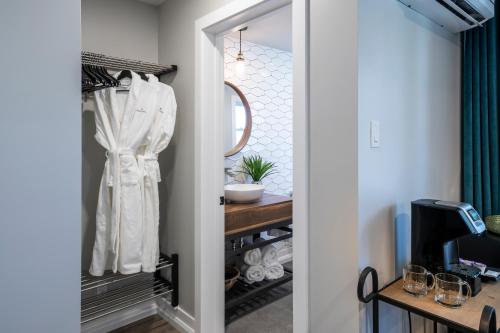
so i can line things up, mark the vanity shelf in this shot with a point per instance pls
(110, 293)
(272, 212)
(238, 249)
(245, 298)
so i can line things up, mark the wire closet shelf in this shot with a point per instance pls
(116, 63)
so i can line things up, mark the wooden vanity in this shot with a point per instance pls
(267, 212)
(272, 212)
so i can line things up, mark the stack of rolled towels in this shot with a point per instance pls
(260, 264)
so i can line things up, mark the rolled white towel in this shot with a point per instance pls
(274, 272)
(253, 273)
(253, 257)
(269, 256)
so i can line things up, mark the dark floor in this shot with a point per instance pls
(276, 317)
(153, 324)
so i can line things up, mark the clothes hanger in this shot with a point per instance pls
(110, 81)
(113, 82)
(116, 83)
(143, 76)
(123, 75)
(102, 77)
(86, 81)
(97, 81)
(89, 73)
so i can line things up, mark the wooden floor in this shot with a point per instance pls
(153, 324)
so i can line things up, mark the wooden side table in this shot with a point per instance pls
(478, 314)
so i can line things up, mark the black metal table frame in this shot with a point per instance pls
(283, 226)
(231, 254)
(487, 323)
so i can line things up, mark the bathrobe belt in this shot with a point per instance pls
(113, 178)
(148, 164)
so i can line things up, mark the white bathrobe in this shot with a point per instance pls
(123, 123)
(158, 139)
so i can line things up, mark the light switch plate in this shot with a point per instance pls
(374, 134)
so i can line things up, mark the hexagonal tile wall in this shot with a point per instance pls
(267, 84)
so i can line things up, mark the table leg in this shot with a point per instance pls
(488, 322)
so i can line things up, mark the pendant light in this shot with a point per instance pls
(240, 57)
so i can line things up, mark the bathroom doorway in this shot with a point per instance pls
(216, 33)
(258, 174)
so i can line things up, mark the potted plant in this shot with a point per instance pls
(256, 168)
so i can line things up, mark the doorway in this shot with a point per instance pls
(209, 152)
(258, 167)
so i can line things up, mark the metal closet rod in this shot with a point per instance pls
(97, 59)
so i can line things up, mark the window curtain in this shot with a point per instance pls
(480, 123)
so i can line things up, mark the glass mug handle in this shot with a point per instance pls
(469, 290)
(433, 281)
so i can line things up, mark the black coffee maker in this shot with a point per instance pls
(444, 231)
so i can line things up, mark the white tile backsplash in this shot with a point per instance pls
(267, 84)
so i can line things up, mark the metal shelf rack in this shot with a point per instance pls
(238, 251)
(245, 298)
(97, 59)
(110, 293)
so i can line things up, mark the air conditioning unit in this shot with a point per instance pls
(454, 15)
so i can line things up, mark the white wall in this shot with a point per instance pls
(409, 80)
(333, 220)
(120, 28)
(176, 46)
(40, 172)
(267, 84)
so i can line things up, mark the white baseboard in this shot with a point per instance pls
(120, 318)
(177, 317)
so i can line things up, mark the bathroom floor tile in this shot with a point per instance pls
(276, 317)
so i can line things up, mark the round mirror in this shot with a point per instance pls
(237, 119)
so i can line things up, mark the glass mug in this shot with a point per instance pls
(449, 290)
(415, 280)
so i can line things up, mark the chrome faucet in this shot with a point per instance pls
(228, 172)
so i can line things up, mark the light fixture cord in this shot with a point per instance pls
(240, 41)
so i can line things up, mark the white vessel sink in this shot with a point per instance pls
(243, 192)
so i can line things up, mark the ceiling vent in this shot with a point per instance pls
(454, 15)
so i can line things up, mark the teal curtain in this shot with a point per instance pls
(480, 123)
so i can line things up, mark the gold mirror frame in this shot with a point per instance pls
(248, 124)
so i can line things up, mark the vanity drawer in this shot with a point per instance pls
(270, 210)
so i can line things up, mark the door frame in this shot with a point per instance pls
(209, 158)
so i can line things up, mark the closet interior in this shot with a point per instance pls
(112, 292)
(128, 119)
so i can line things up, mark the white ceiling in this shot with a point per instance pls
(273, 30)
(153, 2)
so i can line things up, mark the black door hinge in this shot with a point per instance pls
(222, 201)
